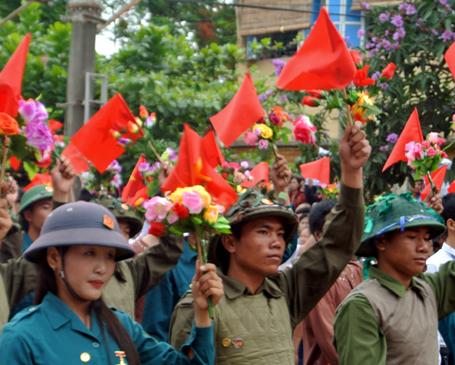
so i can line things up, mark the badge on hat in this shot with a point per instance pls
(108, 222)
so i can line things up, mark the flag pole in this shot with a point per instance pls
(156, 153)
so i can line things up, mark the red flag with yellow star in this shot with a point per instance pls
(134, 183)
(192, 168)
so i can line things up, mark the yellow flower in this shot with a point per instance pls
(211, 214)
(139, 202)
(266, 132)
(358, 109)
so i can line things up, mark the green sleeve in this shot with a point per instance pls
(357, 335)
(443, 285)
(11, 245)
(149, 268)
(317, 269)
(181, 321)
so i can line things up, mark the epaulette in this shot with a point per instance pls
(25, 313)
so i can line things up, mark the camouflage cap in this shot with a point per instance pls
(250, 205)
(394, 212)
(123, 212)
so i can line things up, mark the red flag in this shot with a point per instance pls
(259, 173)
(451, 188)
(240, 114)
(318, 170)
(411, 132)
(438, 179)
(55, 125)
(94, 140)
(40, 179)
(192, 168)
(450, 59)
(78, 161)
(14, 163)
(323, 62)
(211, 150)
(11, 79)
(134, 183)
(140, 194)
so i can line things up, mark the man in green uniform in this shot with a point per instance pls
(261, 307)
(392, 317)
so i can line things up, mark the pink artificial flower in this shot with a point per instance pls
(426, 144)
(250, 138)
(409, 146)
(38, 134)
(244, 164)
(239, 177)
(323, 185)
(31, 110)
(193, 201)
(224, 165)
(172, 217)
(433, 137)
(263, 144)
(431, 152)
(441, 140)
(418, 151)
(304, 130)
(257, 132)
(157, 208)
(443, 154)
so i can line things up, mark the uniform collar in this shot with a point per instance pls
(26, 241)
(393, 284)
(58, 313)
(234, 288)
(451, 251)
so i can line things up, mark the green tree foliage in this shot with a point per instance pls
(47, 62)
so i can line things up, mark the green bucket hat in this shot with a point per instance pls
(394, 212)
(123, 212)
(34, 194)
(250, 205)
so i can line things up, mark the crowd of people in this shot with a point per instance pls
(297, 281)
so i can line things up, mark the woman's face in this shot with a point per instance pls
(293, 184)
(87, 270)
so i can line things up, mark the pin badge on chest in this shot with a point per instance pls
(237, 343)
(121, 355)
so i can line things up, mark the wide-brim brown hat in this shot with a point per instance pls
(79, 223)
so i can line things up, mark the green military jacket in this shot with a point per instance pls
(257, 328)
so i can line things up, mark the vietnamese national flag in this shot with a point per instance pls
(411, 133)
(134, 183)
(323, 62)
(259, 173)
(317, 170)
(242, 112)
(78, 161)
(94, 141)
(211, 150)
(11, 79)
(438, 179)
(450, 59)
(40, 179)
(192, 168)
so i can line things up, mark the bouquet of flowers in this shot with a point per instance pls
(425, 157)
(269, 130)
(329, 191)
(187, 210)
(235, 174)
(102, 184)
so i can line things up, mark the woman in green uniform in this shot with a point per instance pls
(77, 252)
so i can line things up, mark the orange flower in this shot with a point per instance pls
(389, 71)
(279, 113)
(361, 79)
(143, 113)
(8, 125)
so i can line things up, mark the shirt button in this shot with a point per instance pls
(96, 344)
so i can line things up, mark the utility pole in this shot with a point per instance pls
(85, 16)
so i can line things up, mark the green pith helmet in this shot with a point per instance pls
(250, 205)
(394, 212)
(34, 194)
(122, 212)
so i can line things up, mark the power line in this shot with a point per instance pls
(261, 7)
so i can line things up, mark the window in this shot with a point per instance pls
(347, 22)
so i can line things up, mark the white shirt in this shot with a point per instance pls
(445, 254)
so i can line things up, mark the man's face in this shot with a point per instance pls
(404, 253)
(418, 186)
(37, 214)
(124, 229)
(260, 247)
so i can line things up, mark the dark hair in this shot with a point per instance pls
(85, 195)
(317, 215)
(104, 315)
(297, 177)
(448, 203)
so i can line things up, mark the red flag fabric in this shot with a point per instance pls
(94, 140)
(134, 183)
(211, 150)
(259, 173)
(318, 170)
(450, 59)
(11, 79)
(55, 125)
(78, 161)
(451, 188)
(411, 132)
(140, 194)
(240, 114)
(40, 179)
(14, 163)
(192, 168)
(438, 179)
(323, 62)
